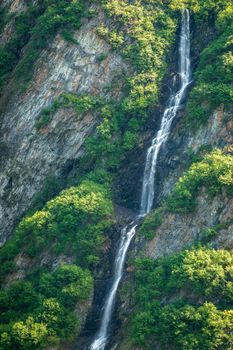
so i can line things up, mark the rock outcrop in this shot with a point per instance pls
(29, 155)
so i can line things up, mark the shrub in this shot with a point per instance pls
(151, 224)
(68, 284)
(151, 33)
(73, 222)
(29, 334)
(214, 172)
(39, 23)
(81, 104)
(214, 72)
(102, 57)
(39, 312)
(184, 301)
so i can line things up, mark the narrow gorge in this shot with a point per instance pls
(116, 175)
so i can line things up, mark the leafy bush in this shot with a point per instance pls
(10, 53)
(214, 172)
(29, 334)
(215, 69)
(201, 7)
(102, 57)
(151, 223)
(39, 312)
(151, 31)
(81, 104)
(68, 284)
(76, 219)
(184, 301)
(39, 23)
(72, 223)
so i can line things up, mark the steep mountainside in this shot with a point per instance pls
(83, 89)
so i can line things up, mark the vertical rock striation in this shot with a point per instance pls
(29, 155)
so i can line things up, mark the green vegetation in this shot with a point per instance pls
(151, 223)
(215, 69)
(214, 172)
(209, 233)
(73, 223)
(185, 301)
(214, 80)
(102, 57)
(202, 8)
(3, 19)
(39, 23)
(37, 311)
(10, 53)
(81, 104)
(144, 32)
(52, 187)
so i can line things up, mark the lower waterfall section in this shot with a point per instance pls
(127, 235)
(147, 198)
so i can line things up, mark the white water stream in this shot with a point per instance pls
(173, 105)
(147, 198)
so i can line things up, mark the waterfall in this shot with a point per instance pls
(147, 198)
(170, 112)
(126, 237)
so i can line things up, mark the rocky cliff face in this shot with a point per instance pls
(180, 231)
(29, 155)
(14, 7)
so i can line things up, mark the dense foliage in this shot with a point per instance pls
(215, 69)
(151, 223)
(211, 170)
(214, 79)
(142, 32)
(73, 223)
(185, 301)
(214, 172)
(38, 310)
(38, 23)
(81, 104)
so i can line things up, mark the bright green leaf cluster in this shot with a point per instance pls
(145, 36)
(185, 301)
(214, 172)
(38, 312)
(151, 223)
(72, 223)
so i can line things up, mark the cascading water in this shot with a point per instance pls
(169, 114)
(147, 197)
(102, 336)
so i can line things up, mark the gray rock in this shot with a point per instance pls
(33, 155)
